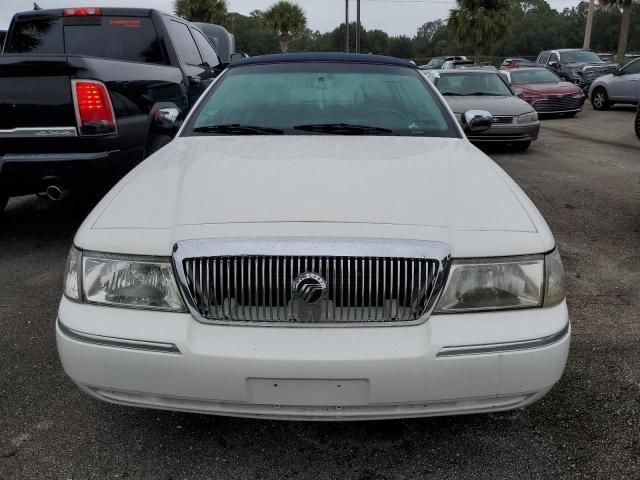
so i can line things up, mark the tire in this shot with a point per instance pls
(600, 99)
(520, 146)
(155, 143)
(3, 202)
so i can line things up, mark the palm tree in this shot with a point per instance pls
(287, 20)
(206, 11)
(480, 22)
(624, 24)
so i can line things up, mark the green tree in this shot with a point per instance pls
(287, 20)
(625, 23)
(206, 11)
(480, 22)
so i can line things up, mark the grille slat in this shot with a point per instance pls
(558, 104)
(358, 289)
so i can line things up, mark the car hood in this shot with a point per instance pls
(220, 186)
(503, 105)
(556, 88)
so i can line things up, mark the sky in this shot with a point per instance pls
(396, 17)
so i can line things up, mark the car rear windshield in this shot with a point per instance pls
(323, 98)
(122, 38)
(533, 76)
(472, 83)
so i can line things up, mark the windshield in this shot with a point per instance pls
(533, 76)
(435, 62)
(121, 38)
(322, 98)
(472, 84)
(580, 56)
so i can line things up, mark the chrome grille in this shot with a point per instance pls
(558, 103)
(502, 119)
(357, 289)
(591, 73)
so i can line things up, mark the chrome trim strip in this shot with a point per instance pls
(39, 132)
(118, 342)
(312, 247)
(489, 348)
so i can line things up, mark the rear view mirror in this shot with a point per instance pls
(166, 118)
(236, 57)
(476, 121)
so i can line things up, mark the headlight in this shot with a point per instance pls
(530, 117)
(477, 285)
(578, 95)
(123, 280)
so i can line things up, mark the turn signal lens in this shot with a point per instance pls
(72, 274)
(93, 108)
(554, 288)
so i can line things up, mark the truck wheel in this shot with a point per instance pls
(155, 143)
(520, 146)
(3, 202)
(600, 99)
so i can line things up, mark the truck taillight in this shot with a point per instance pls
(94, 111)
(81, 12)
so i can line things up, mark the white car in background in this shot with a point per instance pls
(320, 241)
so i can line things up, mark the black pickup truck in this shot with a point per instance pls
(79, 88)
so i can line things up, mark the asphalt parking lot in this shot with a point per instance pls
(584, 176)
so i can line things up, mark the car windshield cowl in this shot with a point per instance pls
(238, 129)
(344, 129)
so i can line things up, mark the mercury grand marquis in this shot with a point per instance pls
(320, 241)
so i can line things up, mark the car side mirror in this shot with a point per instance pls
(518, 92)
(236, 57)
(477, 121)
(554, 64)
(166, 118)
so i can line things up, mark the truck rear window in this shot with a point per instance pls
(121, 38)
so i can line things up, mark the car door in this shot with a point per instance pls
(199, 74)
(631, 85)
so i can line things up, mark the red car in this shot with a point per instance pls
(545, 91)
(511, 63)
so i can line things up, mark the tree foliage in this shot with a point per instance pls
(474, 23)
(206, 11)
(287, 20)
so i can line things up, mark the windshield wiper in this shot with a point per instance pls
(485, 94)
(344, 129)
(456, 94)
(238, 129)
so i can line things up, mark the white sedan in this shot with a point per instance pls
(320, 241)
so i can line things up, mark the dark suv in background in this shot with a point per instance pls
(576, 65)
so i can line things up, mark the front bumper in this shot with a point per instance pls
(25, 173)
(507, 133)
(314, 373)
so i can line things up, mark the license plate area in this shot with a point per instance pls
(301, 392)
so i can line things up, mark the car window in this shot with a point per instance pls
(631, 68)
(206, 50)
(122, 38)
(184, 43)
(554, 57)
(435, 62)
(523, 77)
(284, 96)
(543, 58)
(473, 84)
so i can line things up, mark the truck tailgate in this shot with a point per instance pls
(35, 91)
